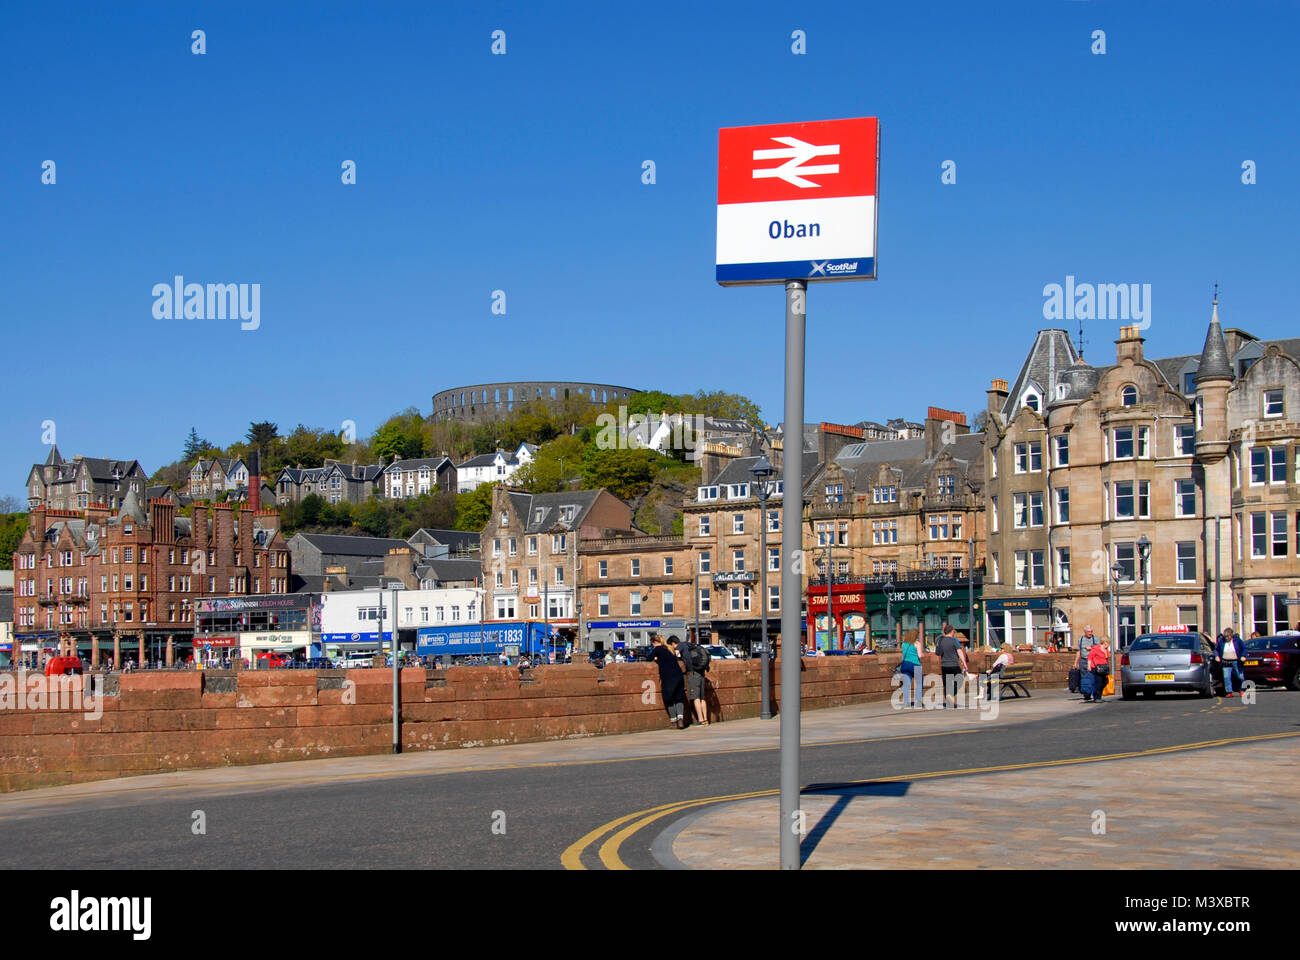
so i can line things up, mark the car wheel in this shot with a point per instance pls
(1294, 682)
(1206, 691)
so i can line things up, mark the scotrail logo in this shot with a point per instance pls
(828, 269)
(179, 300)
(1100, 301)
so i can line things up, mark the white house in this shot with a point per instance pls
(350, 619)
(415, 478)
(493, 467)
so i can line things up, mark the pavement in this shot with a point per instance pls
(1124, 814)
(1047, 781)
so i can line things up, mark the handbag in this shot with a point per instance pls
(1102, 669)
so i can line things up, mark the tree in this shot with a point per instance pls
(9, 505)
(625, 473)
(372, 517)
(474, 509)
(392, 440)
(194, 446)
(12, 528)
(980, 421)
(310, 509)
(262, 434)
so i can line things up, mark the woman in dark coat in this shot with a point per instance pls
(672, 685)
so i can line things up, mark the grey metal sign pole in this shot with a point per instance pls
(796, 293)
(397, 684)
(764, 663)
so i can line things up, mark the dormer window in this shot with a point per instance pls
(1062, 391)
(1032, 400)
(1128, 397)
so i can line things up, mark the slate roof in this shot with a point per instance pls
(447, 569)
(527, 505)
(433, 463)
(1051, 355)
(455, 540)
(346, 546)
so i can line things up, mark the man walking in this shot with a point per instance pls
(1228, 652)
(952, 664)
(695, 661)
(1086, 678)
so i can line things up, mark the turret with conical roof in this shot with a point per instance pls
(1213, 380)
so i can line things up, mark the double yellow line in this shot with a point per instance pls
(632, 823)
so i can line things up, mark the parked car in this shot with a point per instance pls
(270, 661)
(718, 652)
(1169, 661)
(1273, 661)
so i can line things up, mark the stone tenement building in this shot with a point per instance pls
(493, 401)
(635, 585)
(99, 578)
(532, 550)
(59, 484)
(1196, 453)
(908, 512)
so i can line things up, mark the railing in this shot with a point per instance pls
(598, 545)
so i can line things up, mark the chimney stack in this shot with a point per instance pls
(997, 394)
(255, 480)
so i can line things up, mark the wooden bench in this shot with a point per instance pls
(1015, 678)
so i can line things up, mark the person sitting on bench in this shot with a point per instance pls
(1004, 660)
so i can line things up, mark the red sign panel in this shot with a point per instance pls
(797, 161)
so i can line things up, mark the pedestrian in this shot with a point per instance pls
(1086, 643)
(695, 663)
(1099, 667)
(1228, 652)
(952, 664)
(671, 686)
(910, 671)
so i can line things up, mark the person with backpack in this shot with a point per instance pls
(695, 661)
(670, 679)
(952, 665)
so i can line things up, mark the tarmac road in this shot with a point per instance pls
(528, 814)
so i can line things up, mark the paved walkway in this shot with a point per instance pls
(1041, 818)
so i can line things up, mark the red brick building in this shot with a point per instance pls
(123, 583)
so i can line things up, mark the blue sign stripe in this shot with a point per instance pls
(845, 268)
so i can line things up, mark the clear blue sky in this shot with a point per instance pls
(523, 173)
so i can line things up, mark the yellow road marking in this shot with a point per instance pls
(609, 851)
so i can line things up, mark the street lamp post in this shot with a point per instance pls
(1144, 551)
(762, 470)
(889, 606)
(970, 592)
(1116, 571)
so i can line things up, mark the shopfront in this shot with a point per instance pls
(1021, 621)
(276, 623)
(865, 612)
(627, 635)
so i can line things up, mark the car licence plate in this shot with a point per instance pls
(1159, 677)
(1252, 663)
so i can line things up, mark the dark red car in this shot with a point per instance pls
(1273, 661)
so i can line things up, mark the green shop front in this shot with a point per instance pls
(880, 611)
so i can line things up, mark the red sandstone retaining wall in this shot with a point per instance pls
(157, 722)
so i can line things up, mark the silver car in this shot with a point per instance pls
(1168, 661)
